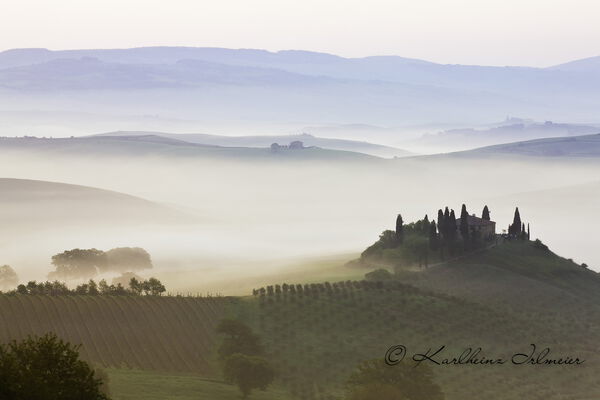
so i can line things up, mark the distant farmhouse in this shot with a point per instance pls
(295, 145)
(483, 227)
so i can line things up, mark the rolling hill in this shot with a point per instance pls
(586, 146)
(294, 88)
(266, 141)
(163, 334)
(512, 130)
(502, 299)
(39, 204)
(159, 146)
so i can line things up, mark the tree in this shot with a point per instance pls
(239, 338)
(485, 214)
(122, 259)
(8, 278)
(135, 286)
(440, 221)
(46, 368)
(78, 263)
(413, 383)
(433, 236)
(153, 287)
(379, 275)
(399, 229)
(515, 227)
(417, 248)
(464, 224)
(248, 372)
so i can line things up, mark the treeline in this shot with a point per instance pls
(149, 287)
(87, 263)
(342, 288)
(421, 241)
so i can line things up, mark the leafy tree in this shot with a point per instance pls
(413, 383)
(239, 338)
(379, 275)
(418, 249)
(78, 263)
(153, 287)
(399, 229)
(8, 277)
(135, 286)
(122, 259)
(46, 368)
(248, 372)
(387, 240)
(486, 213)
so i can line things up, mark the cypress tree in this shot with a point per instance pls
(528, 232)
(440, 221)
(447, 225)
(433, 236)
(515, 228)
(426, 224)
(452, 225)
(399, 229)
(486, 213)
(464, 223)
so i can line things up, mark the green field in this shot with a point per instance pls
(154, 333)
(501, 299)
(147, 385)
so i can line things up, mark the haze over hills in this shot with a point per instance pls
(255, 90)
(160, 146)
(41, 204)
(511, 130)
(585, 146)
(267, 141)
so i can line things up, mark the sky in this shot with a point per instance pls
(484, 32)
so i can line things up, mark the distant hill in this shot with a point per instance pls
(154, 145)
(266, 141)
(299, 88)
(36, 204)
(591, 64)
(586, 146)
(510, 131)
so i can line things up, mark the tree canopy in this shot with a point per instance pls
(46, 368)
(8, 277)
(248, 372)
(87, 263)
(403, 381)
(123, 259)
(78, 264)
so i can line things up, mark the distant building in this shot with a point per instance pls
(487, 229)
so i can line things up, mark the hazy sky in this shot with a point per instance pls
(491, 32)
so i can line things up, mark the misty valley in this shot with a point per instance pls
(184, 223)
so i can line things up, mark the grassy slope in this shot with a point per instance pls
(167, 334)
(146, 385)
(502, 300)
(316, 341)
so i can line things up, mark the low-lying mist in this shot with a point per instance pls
(233, 222)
